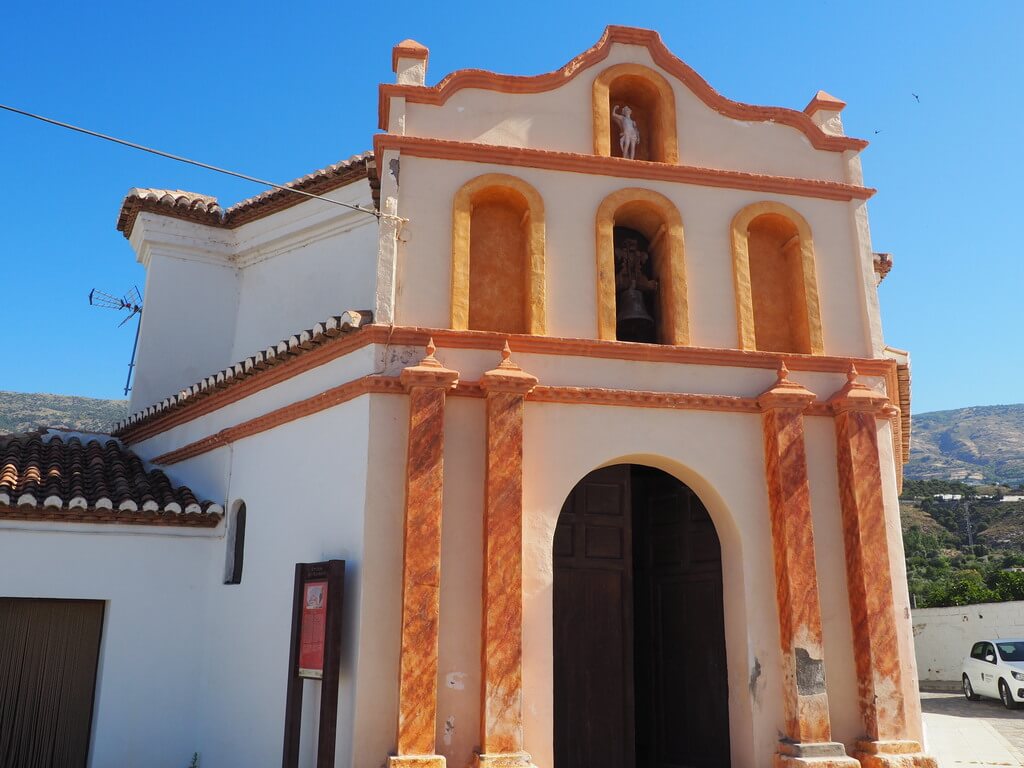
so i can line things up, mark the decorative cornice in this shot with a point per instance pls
(442, 149)
(302, 358)
(301, 409)
(662, 56)
(394, 385)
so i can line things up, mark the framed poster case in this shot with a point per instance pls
(315, 654)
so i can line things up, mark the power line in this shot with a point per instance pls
(189, 161)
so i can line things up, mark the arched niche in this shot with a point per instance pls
(653, 104)
(776, 285)
(655, 217)
(498, 256)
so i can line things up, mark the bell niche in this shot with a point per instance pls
(641, 275)
(636, 288)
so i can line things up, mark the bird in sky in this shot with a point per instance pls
(916, 97)
(878, 132)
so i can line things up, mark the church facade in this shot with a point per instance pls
(586, 384)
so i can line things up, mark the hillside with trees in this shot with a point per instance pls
(963, 543)
(26, 411)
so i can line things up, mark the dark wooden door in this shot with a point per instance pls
(682, 706)
(593, 596)
(639, 646)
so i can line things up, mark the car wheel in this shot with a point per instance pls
(969, 691)
(1006, 696)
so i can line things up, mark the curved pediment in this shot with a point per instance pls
(532, 84)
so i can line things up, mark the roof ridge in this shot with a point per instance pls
(205, 209)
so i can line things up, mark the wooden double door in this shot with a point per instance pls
(639, 643)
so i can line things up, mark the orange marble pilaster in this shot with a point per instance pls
(426, 384)
(501, 711)
(808, 736)
(869, 581)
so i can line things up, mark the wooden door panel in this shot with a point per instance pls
(640, 677)
(593, 620)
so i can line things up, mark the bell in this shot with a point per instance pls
(632, 320)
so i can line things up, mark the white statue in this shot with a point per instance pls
(629, 133)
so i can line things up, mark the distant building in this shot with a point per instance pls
(583, 382)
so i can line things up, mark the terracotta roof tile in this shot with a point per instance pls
(61, 477)
(205, 209)
(286, 349)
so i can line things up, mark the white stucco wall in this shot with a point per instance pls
(155, 586)
(188, 322)
(304, 264)
(943, 636)
(215, 296)
(303, 485)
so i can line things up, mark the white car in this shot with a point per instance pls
(995, 669)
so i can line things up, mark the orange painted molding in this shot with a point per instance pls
(488, 340)
(408, 49)
(302, 408)
(662, 56)
(619, 167)
(393, 385)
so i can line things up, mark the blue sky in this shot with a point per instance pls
(279, 89)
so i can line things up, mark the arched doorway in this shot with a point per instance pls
(639, 640)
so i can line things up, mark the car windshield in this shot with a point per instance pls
(1011, 651)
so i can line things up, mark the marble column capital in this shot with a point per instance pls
(429, 373)
(785, 393)
(507, 377)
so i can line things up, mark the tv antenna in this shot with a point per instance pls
(130, 302)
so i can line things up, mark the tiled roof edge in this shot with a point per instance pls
(296, 344)
(204, 209)
(56, 475)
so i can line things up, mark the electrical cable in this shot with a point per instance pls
(197, 163)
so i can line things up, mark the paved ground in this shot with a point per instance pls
(964, 733)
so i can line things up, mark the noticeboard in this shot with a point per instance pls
(315, 654)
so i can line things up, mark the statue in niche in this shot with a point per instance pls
(635, 289)
(629, 132)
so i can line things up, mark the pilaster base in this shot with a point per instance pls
(504, 760)
(893, 754)
(826, 754)
(416, 761)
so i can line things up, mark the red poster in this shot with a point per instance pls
(314, 623)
